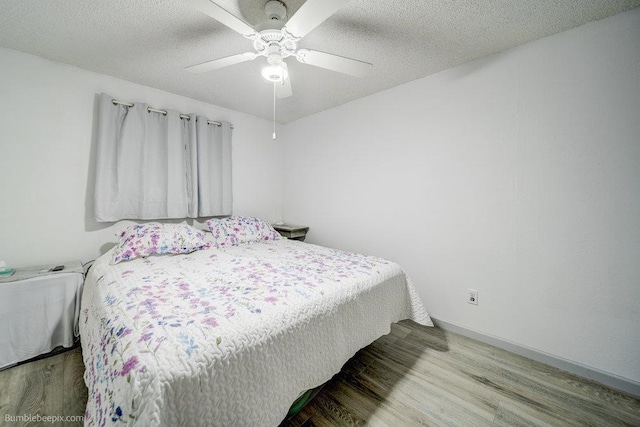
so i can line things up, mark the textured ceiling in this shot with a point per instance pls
(151, 42)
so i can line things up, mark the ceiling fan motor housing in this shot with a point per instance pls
(268, 42)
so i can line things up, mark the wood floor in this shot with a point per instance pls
(47, 387)
(413, 376)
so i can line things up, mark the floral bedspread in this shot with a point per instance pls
(230, 336)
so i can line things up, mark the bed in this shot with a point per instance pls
(230, 334)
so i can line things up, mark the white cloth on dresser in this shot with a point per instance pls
(39, 312)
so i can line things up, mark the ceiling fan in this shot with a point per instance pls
(277, 40)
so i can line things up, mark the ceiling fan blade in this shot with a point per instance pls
(222, 62)
(311, 14)
(222, 15)
(283, 90)
(353, 67)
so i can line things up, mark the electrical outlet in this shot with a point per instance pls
(472, 296)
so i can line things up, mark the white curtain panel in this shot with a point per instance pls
(142, 161)
(214, 168)
(148, 165)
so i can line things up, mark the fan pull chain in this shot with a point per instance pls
(274, 110)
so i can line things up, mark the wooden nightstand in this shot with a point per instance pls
(293, 232)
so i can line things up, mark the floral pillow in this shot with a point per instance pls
(236, 230)
(142, 240)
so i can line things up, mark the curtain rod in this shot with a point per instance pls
(164, 113)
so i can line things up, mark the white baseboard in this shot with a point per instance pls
(619, 383)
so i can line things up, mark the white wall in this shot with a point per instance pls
(517, 175)
(47, 133)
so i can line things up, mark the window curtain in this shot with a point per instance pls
(214, 168)
(148, 165)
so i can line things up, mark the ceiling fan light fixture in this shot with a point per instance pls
(275, 73)
(277, 39)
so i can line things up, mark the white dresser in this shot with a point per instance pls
(39, 311)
